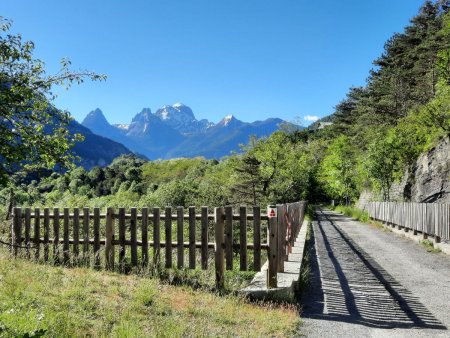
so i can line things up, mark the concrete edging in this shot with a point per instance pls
(287, 280)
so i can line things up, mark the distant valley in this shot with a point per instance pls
(173, 131)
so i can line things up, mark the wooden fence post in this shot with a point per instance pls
(273, 251)
(46, 233)
(281, 237)
(256, 238)
(204, 238)
(66, 252)
(219, 216)
(168, 229)
(122, 237)
(76, 235)
(56, 236)
(27, 231)
(243, 238)
(109, 238)
(36, 232)
(144, 237)
(16, 230)
(86, 258)
(180, 239)
(156, 237)
(191, 237)
(229, 237)
(97, 238)
(133, 237)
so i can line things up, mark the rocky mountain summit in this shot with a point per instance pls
(173, 131)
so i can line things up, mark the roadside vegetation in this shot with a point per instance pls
(39, 300)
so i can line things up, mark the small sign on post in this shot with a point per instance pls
(271, 211)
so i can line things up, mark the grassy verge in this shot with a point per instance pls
(428, 245)
(353, 212)
(38, 299)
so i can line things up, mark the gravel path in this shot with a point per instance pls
(367, 282)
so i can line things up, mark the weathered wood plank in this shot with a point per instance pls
(109, 238)
(273, 252)
(229, 237)
(36, 233)
(192, 237)
(144, 237)
(180, 247)
(243, 238)
(168, 234)
(86, 257)
(122, 238)
(257, 238)
(133, 237)
(27, 232)
(56, 258)
(76, 235)
(204, 238)
(219, 252)
(66, 247)
(46, 233)
(97, 238)
(156, 237)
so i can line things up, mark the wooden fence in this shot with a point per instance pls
(58, 235)
(431, 219)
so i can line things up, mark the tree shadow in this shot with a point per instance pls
(347, 285)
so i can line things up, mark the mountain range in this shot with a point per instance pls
(173, 131)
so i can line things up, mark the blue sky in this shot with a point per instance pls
(251, 58)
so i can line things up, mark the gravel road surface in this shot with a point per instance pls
(369, 282)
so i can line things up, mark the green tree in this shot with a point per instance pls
(338, 170)
(32, 131)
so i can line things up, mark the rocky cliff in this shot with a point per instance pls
(427, 182)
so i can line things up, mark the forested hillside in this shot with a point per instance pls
(378, 132)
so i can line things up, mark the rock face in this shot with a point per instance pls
(428, 181)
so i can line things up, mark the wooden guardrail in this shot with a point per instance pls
(53, 235)
(431, 219)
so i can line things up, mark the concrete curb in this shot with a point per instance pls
(287, 280)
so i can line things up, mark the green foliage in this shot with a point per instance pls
(353, 212)
(33, 133)
(338, 170)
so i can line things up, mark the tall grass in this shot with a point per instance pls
(353, 212)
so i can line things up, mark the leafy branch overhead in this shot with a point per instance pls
(32, 131)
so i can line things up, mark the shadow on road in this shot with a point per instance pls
(347, 285)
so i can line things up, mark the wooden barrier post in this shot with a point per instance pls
(168, 228)
(219, 216)
(46, 233)
(122, 238)
(144, 237)
(273, 247)
(180, 239)
(16, 230)
(109, 239)
(66, 253)
(243, 238)
(156, 237)
(76, 235)
(204, 238)
(37, 230)
(27, 231)
(191, 237)
(229, 237)
(86, 239)
(56, 236)
(256, 238)
(133, 237)
(96, 238)
(281, 237)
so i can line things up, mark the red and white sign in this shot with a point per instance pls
(271, 211)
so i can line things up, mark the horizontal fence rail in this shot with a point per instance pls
(431, 219)
(130, 240)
